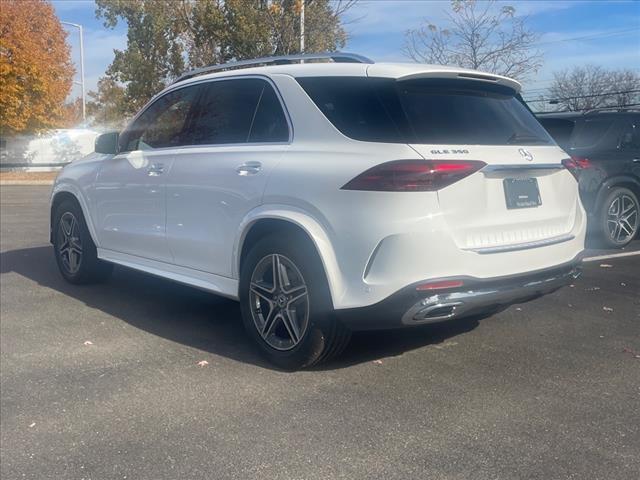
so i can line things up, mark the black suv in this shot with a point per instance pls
(605, 159)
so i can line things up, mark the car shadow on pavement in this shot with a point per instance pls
(200, 319)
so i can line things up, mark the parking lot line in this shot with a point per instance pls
(606, 257)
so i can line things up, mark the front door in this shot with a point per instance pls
(130, 189)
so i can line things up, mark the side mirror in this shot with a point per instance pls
(107, 143)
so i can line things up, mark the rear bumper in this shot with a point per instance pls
(412, 307)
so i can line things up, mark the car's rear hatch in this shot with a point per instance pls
(510, 203)
(523, 196)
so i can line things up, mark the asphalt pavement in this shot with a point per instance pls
(141, 378)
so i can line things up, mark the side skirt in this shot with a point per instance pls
(227, 287)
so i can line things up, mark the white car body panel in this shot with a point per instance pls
(189, 223)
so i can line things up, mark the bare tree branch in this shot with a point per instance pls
(479, 35)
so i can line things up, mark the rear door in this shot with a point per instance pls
(239, 134)
(523, 195)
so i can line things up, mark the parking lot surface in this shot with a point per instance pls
(141, 378)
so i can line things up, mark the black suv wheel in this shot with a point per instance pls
(75, 251)
(619, 217)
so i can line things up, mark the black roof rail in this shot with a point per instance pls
(613, 109)
(337, 57)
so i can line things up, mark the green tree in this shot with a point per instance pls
(107, 106)
(165, 37)
(154, 50)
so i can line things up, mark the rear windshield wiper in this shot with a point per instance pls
(524, 137)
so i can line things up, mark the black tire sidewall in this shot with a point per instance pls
(604, 213)
(306, 259)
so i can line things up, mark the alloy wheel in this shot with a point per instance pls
(69, 243)
(622, 218)
(279, 302)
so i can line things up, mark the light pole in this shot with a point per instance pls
(81, 82)
(302, 27)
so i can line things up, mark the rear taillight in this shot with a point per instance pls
(575, 164)
(413, 175)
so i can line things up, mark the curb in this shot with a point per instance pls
(7, 183)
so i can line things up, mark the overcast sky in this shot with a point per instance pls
(573, 32)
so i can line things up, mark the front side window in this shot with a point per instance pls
(238, 111)
(163, 123)
(427, 111)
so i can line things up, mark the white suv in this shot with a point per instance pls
(328, 197)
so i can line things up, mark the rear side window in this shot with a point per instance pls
(355, 106)
(591, 133)
(429, 111)
(238, 111)
(630, 138)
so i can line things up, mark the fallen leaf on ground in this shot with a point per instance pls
(605, 265)
(607, 309)
(632, 352)
(32, 425)
(88, 342)
(203, 363)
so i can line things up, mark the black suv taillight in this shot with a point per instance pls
(576, 164)
(413, 175)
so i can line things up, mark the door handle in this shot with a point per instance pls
(249, 168)
(155, 169)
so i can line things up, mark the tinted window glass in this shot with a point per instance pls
(269, 123)
(226, 111)
(354, 105)
(630, 138)
(430, 111)
(162, 124)
(591, 132)
(559, 129)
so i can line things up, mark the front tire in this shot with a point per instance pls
(75, 252)
(286, 305)
(619, 217)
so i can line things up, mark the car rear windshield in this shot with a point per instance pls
(428, 111)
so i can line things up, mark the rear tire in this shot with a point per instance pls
(75, 252)
(619, 217)
(290, 317)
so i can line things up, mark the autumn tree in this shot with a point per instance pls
(483, 36)
(591, 86)
(166, 37)
(36, 71)
(107, 104)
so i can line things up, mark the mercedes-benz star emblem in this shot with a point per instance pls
(526, 154)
